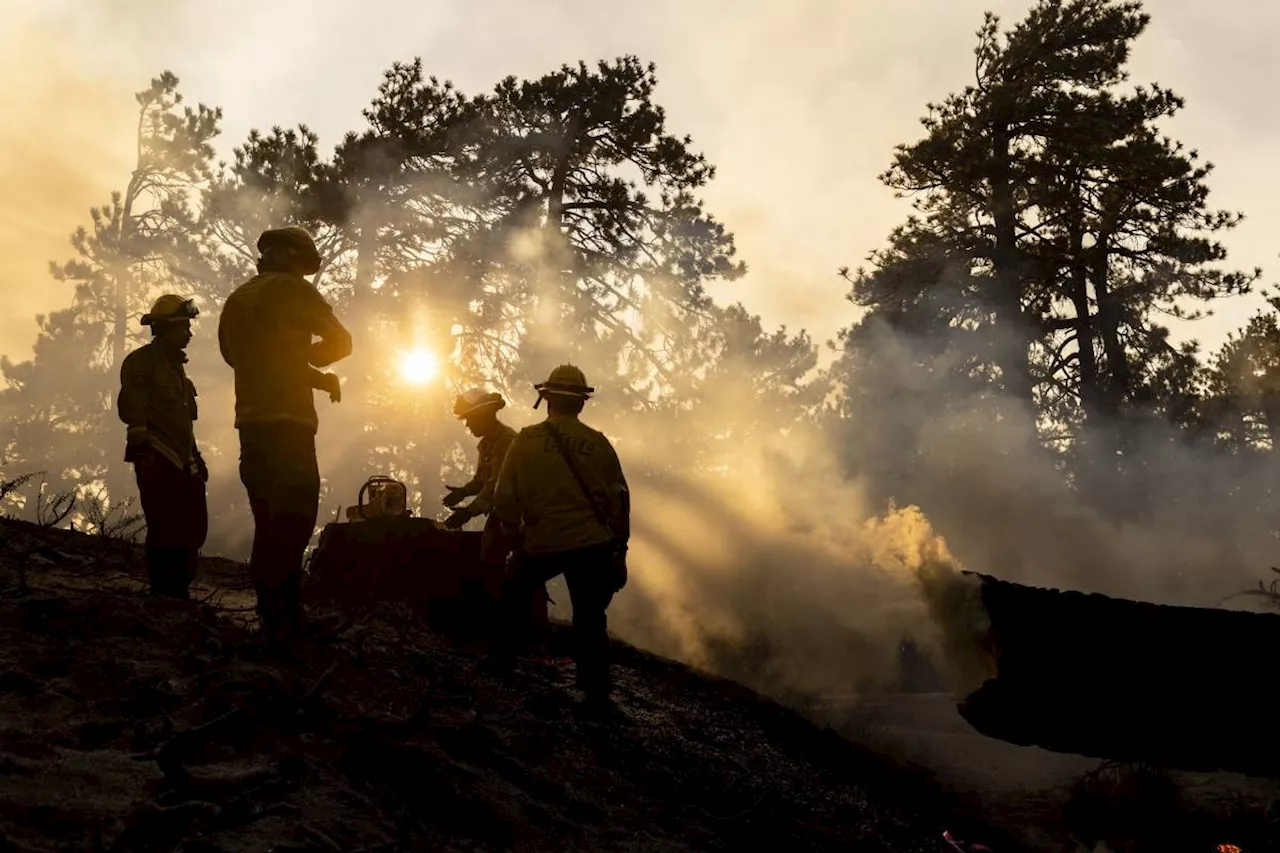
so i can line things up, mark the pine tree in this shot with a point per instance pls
(61, 403)
(1054, 225)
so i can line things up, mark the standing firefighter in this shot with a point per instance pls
(479, 411)
(157, 403)
(562, 486)
(266, 334)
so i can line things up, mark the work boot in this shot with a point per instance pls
(269, 614)
(292, 615)
(190, 559)
(178, 582)
(155, 570)
(166, 569)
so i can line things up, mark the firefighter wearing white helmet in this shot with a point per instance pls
(157, 403)
(562, 488)
(478, 409)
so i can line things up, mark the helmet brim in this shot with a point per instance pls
(479, 407)
(583, 391)
(186, 310)
(148, 320)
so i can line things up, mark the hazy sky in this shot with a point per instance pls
(797, 103)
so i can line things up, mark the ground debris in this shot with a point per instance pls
(132, 724)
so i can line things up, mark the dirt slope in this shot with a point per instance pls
(135, 724)
(1060, 802)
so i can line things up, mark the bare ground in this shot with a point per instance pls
(128, 723)
(1060, 802)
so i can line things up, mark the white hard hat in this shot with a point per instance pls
(470, 402)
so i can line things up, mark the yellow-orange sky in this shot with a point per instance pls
(798, 104)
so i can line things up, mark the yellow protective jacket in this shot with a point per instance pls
(265, 334)
(537, 493)
(492, 450)
(157, 403)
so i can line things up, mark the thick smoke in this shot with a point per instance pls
(796, 553)
(777, 555)
(52, 161)
(756, 557)
(1178, 527)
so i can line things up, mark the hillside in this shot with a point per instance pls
(135, 724)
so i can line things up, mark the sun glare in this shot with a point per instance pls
(419, 367)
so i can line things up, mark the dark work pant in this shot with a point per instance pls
(588, 574)
(279, 471)
(177, 516)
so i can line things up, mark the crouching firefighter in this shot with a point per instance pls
(562, 488)
(157, 403)
(479, 411)
(266, 334)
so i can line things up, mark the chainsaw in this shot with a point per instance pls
(386, 498)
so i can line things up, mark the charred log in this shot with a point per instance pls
(1181, 687)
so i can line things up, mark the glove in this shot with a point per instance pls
(456, 494)
(459, 518)
(329, 383)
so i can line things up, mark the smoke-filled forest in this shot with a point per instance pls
(1005, 395)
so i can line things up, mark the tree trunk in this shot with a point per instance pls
(116, 477)
(1116, 386)
(124, 250)
(555, 196)
(1090, 392)
(1093, 447)
(555, 243)
(558, 255)
(120, 316)
(1113, 426)
(366, 254)
(1271, 414)
(1013, 360)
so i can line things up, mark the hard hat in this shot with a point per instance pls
(475, 400)
(567, 381)
(170, 307)
(296, 239)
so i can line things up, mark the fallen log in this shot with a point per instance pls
(1182, 687)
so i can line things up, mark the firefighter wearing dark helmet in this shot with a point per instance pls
(267, 334)
(563, 489)
(157, 403)
(479, 411)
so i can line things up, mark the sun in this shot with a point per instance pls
(419, 367)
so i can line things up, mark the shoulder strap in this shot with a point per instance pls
(600, 514)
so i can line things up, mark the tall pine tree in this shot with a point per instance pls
(1055, 224)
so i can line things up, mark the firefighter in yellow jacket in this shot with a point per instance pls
(157, 403)
(563, 489)
(479, 410)
(267, 335)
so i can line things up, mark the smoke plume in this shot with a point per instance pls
(788, 548)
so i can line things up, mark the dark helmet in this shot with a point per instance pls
(295, 240)
(170, 307)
